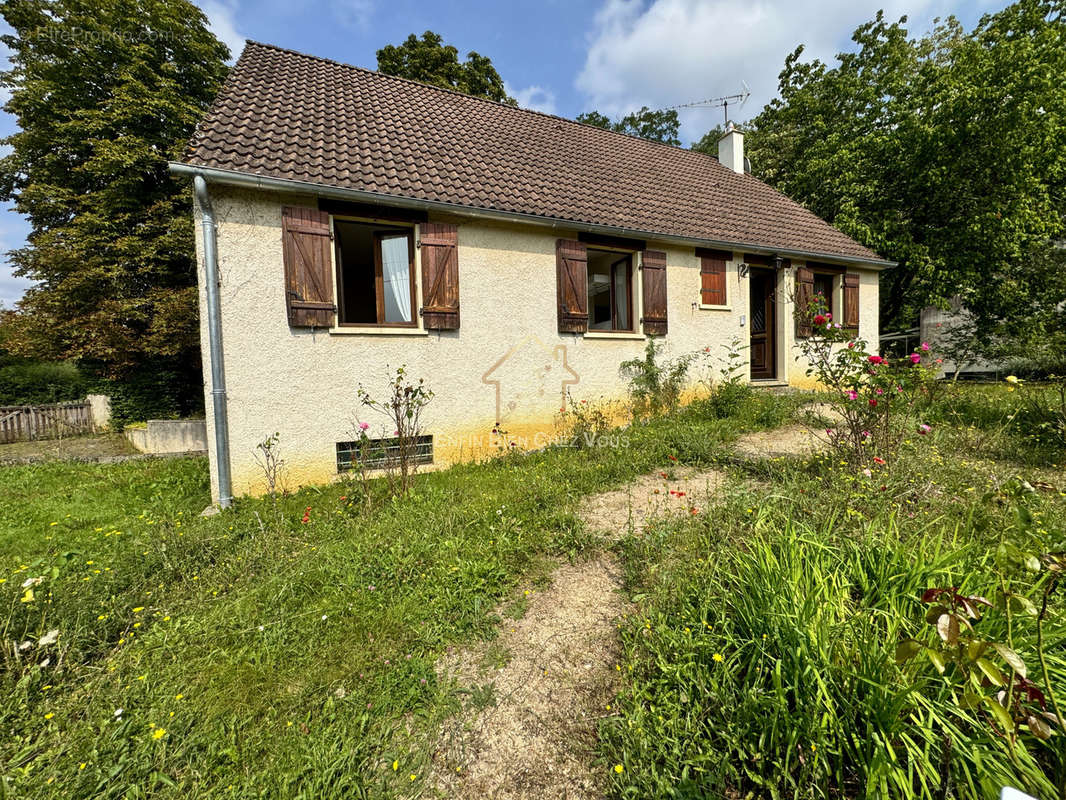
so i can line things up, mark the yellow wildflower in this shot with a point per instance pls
(619, 768)
(159, 733)
(718, 657)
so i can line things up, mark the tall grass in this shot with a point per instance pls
(252, 654)
(763, 657)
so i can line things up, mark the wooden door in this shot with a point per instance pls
(762, 324)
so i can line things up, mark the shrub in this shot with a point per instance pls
(655, 385)
(874, 398)
(402, 409)
(36, 382)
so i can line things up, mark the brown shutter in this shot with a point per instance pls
(712, 276)
(571, 280)
(804, 295)
(439, 245)
(305, 239)
(851, 300)
(653, 280)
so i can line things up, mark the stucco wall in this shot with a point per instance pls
(302, 384)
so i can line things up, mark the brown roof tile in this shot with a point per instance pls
(287, 115)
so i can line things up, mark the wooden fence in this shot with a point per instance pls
(23, 423)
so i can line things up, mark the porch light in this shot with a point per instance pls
(742, 269)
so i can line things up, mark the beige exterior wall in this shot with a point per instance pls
(302, 383)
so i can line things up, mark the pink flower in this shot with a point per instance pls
(915, 358)
(875, 360)
(828, 431)
(925, 345)
(364, 425)
(923, 429)
(853, 395)
(880, 391)
(828, 315)
(851, 345)
(867, 473)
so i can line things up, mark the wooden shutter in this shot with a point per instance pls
(653, 282)
(439, 244)
(804, 295)
(712, 276)
(851, 300)
(305, 240)
(571, 280)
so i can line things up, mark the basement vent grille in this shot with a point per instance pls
(382, 453)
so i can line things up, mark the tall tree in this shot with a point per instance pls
(657, 126)
(946, 153)
(431, 61)
(105, 92)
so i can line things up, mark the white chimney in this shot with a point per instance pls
(731, 149)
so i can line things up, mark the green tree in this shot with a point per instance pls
(657, 126)
(431, 61)
(946, 153)
(105, 92)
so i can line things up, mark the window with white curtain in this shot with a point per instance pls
(375, 274)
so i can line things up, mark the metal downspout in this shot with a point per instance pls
(214, 337)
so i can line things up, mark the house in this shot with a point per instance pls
(352, 222)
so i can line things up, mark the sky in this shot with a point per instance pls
(568, 56)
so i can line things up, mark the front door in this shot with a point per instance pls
(763, 349)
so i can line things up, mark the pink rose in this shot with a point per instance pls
(851, 345)
(925, 345)
(853, 395)
(364, 425)
(915, 358)
(880, 391)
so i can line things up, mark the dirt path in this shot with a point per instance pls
(532, 696)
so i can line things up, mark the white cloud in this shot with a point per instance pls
(221, 19)
(536, 98)
(353, 14)
(671, 52)
(13, 232)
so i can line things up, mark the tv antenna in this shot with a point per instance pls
(740, 98)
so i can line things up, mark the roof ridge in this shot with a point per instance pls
(423, 84)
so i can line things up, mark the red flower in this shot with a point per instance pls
(819, 319)
(663, 475)
(875, 360)
(879, 460)
(672, 458)
(694, 510)
(873, 402)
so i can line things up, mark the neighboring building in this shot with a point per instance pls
(506, 256)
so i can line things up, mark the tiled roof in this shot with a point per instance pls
(283, 114)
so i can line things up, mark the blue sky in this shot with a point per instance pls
(568, 56)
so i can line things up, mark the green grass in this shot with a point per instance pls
(801, 582)
(252, 655)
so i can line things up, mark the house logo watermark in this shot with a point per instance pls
(530, 379)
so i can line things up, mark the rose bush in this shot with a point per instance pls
(873, 400)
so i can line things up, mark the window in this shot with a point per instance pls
(610, 289)
(375, 274)
(381, 453)
(823, 286)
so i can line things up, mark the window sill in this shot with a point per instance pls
(715, 308)
(360, 330)
(613, 335)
